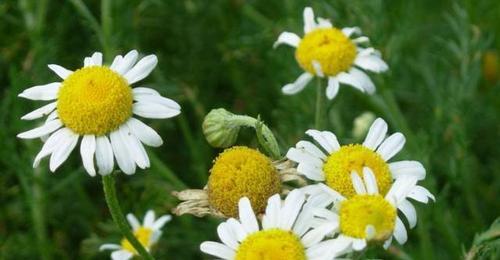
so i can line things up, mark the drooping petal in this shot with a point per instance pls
(372, 63)
(62, 152)
(298, 85)
(144, 133)
(351, 80)
(365, 81)
(122, 154)
(409, 211)
(287, 38)
(87, 150)
(333, 88)
(104, 155)
(400, 232)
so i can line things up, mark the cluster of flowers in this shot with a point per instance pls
(337, 199)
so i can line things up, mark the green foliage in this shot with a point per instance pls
(219, 54)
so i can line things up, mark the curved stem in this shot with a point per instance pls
(108, 183)
(320, 106)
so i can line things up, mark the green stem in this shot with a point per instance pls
(108, 183)
(37, 212)
(320, 105)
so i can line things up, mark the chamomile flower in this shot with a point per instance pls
(368, 216)
(96, 104)
(147, 234)
(326, 51)
(333, 164)
(285, 233)
(237, 172)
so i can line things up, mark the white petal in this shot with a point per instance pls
(97, 58)
(40, 112)
(116, 62)
(362, 39)
(144, 91)
(153, 111)
(409, 211)
(348, 31)
(135, 148)
(127, 62)
(156, 99)
(337, 197)
(87, 62)
(376, 134)
(271, 218)
(311, 172)
(387, 243)
(52, 116)
(358, 244)
(141, 69)
(247, 216)
(309, 23)
(121, 255)
(51, 144)
(311, 149)
(160, 222)
(324, 23)
(217, 249)
(45, 129)
(109, 247)
(122, 155)
(62, 152)
(287, 38)
(300, 156)
(298, 85)
(42, 92)
(293, 203)
(316, 235)
(351, 80)
(226, 236)
(368, 52)
(406, 169)
(400, 232)
(237, 228)
(421, 194)
(60, 71)
(149, 219)
(87, 150)
(391, 146)
(333, 88)
(372, 63)
(400, 189)
(132, 220)
(326, 139)
(370, 181)
(104, 155)
(366, 82)
(357, 183)
(144, 133)
(317, 68)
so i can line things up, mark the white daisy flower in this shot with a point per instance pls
(369, 216)
(148, 234)
(97, 103)
(285, 233)
(326, 51)
(333, 164)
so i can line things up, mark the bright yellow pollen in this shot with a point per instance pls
(142, 234)
(361, 211)
(330, 47)
(94, 100)
(354, 157)
(242, 172)
(271, 244)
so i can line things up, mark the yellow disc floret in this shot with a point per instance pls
(354, 157)
(142, 234)
(362, 211)
(242, 172)
(330, 47)
(271, 244)
(94, 100)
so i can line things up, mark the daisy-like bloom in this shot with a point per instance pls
(326, 51)
(285, 233)
(147, 234)
(369, 216)
(333, 164)
(97, 103)
(237, 172)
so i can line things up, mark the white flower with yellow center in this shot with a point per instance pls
(326, 51)
(285, 233)
(370, 217)
(97, 103)
(333, 164)
(147, 234)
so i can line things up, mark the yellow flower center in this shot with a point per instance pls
(271, 244)
(354, 157)
(362, 211)
(94, 100)
(142, 234)
(242, 172)
(330, 47)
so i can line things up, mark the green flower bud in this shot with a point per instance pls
(361, 125)
(219, 128)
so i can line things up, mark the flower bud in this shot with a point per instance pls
(218, 128)
(361, 125)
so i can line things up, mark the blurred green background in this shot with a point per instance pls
(441, 92)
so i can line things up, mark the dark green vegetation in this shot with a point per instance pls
(219, 54)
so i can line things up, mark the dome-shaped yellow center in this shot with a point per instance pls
(271, 244)
(142, 234)
(354, 157)
(94, 100)
(242, 172)
(330, 47)
(361, 211)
